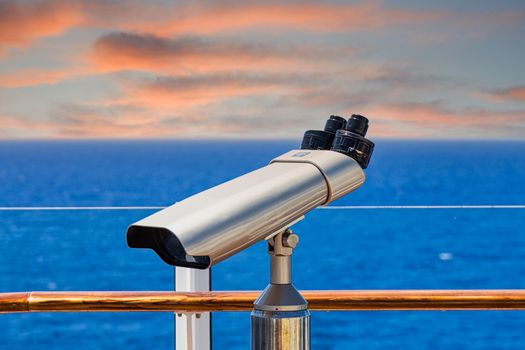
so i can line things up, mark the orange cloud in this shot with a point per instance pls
(16, 127)
(87, 122)
(117, 121)
(31, 77)
(433, 120)
(127, 51)
(91, 121)
(516, 93)
(199, 19)
(183, 93)
(22, 22)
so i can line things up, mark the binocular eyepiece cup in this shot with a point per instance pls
(344, 137)
(334, 123)
(323, 139)
(357, 124)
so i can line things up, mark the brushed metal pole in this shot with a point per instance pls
(280, 319)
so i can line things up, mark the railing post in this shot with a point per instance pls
(192, 330)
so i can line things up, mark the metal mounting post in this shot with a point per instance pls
(280, 319)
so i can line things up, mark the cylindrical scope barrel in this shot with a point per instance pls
(215, 224)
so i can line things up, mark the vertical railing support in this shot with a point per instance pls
(192, 330)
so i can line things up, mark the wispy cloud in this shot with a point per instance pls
(31, 77)
(515, 93)
(205, 18)
(130, 51)
(172, 92)
(436, 120)
(23, 22)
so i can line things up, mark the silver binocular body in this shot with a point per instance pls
(212, 225)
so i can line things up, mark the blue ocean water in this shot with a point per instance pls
(339, 249)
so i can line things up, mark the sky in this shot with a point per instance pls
(86, 69)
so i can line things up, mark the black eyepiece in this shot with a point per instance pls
(334, 123)
(351, 140)
(357, 124)
(323, 139)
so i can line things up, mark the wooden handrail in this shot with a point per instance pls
(242, 301)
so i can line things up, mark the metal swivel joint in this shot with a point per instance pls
(280, 319)
(280, 249)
